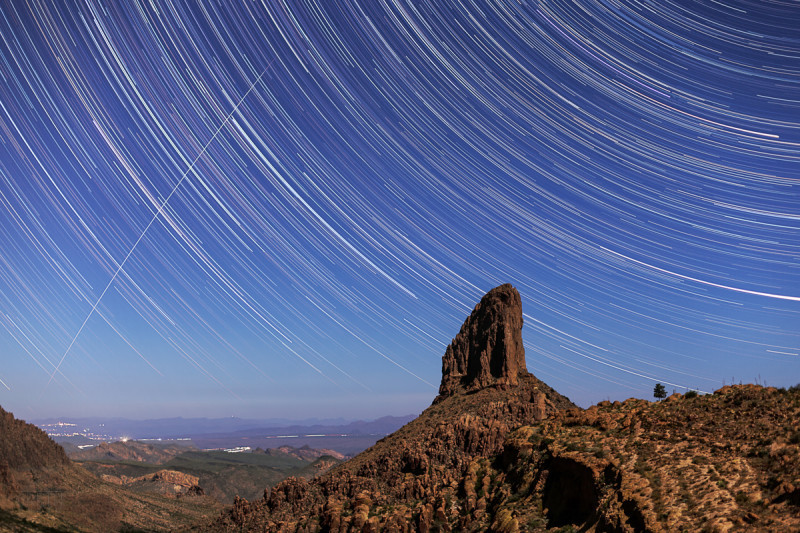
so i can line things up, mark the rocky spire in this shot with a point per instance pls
(488, 350)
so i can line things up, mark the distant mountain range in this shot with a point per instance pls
(346, 437)
(171, 428)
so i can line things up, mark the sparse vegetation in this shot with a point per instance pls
(42, 490)
(222, 475)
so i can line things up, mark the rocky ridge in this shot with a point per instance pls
(166, 482)
(500, 451)
(26, 447)
(42, 490)
(130, 450)
(406, 478)
(729, 461)
(304, 453)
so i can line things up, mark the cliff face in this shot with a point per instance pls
(488, 349)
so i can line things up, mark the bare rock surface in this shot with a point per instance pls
(488, 349)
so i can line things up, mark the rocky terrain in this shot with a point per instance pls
(42, 490)
(180, 470)
(167, 482)
(485, 393)
(498, 450)
(501, 451)
(723, 462)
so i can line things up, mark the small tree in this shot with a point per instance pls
(659, 391)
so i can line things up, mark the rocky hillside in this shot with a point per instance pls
(304, 453)
(500, 451)
(42, 490)
(722, 462)
(29, 461)
(485, 393)
(167, 482)
(130, 450)
(23, 446)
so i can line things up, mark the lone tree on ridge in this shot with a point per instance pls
(659, 391)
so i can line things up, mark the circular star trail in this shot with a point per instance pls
(288, 208)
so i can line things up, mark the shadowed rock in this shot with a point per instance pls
(488, 349)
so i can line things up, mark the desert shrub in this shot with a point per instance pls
(93, 511)
(575, 446)
(600, 453)
(690, 394)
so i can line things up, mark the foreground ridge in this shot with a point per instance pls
(41, 490)
(404, 480)
(501, 451)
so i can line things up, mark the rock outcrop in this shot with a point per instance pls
(412, 479)
(488, 350)
(167, 482)
(501, 451)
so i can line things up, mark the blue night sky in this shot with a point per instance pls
(287, 209)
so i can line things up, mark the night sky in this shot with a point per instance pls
(287, 209)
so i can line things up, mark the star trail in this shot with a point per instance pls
(288, 208)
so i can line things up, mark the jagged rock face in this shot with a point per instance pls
(488, 349)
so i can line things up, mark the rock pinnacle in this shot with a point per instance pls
(488, 349)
